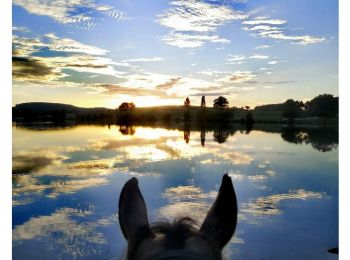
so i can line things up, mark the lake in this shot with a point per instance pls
(67, 181)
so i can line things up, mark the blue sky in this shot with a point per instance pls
(102, 53)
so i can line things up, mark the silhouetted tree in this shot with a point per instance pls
(325, 106)
(247, 107)
(249, 121)
(203, 102)
(187, 102)
(291, 110)
(221, 102)
(187, 117)
(126, 106)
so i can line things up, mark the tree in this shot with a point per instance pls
(291, 110)
(187, 102)
(221, 102)
(203, 102)
(126, 106)
(325, 106)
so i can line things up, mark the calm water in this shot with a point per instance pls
(66, 185)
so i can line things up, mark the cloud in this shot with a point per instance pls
(23, 46)
(213, 72)
(270, 205)
(30, 69)
(236, 58)
(257, 178)
(261, 27)
(280, 82)
(262, 47)
(70, 45)
(237, 158)
(71, 12)
(169, 84)
(239, 77)
(259, 57)
(146, 84)
(197, 210)
(187, 201)
(115, 89)
(184, 40)
(20, 29)
(191, 192)
(30, 64)
(196, 21)
(264, 21)
(272, 28)
(144, 59)
(302, 40)
(32, 162)
(63, 226)
(197, 16)
(239, 59)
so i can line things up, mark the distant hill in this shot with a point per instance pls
(49, 107)
(45, 106)
(57, 112)
(270, 107)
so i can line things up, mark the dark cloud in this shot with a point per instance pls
(31, 163)
(238, 77)
(110, 89)
(280, 82)
(251, 82)
(27, 68)
(169, 84)
(114, 89)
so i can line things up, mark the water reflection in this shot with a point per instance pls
(66, 182)
(127, 129)
(322, 139)
(62, 229)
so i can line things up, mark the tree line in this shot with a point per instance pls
(324, 106)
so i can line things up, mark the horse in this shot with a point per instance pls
(180, 239)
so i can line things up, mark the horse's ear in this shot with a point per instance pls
(220, 222)
(132, 210)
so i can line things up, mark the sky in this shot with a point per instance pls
(102, 53)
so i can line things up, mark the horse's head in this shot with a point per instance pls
(180, 239)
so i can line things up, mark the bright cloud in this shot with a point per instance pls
(270, 205)
(196, 21)
(68, 12)
(264, 21)
(144, 59)
(184, 40)
(267, 28)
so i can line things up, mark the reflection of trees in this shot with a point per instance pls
(221, 136)
(203, 137)
(187, 134)
(321, 139)
(127, 129)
